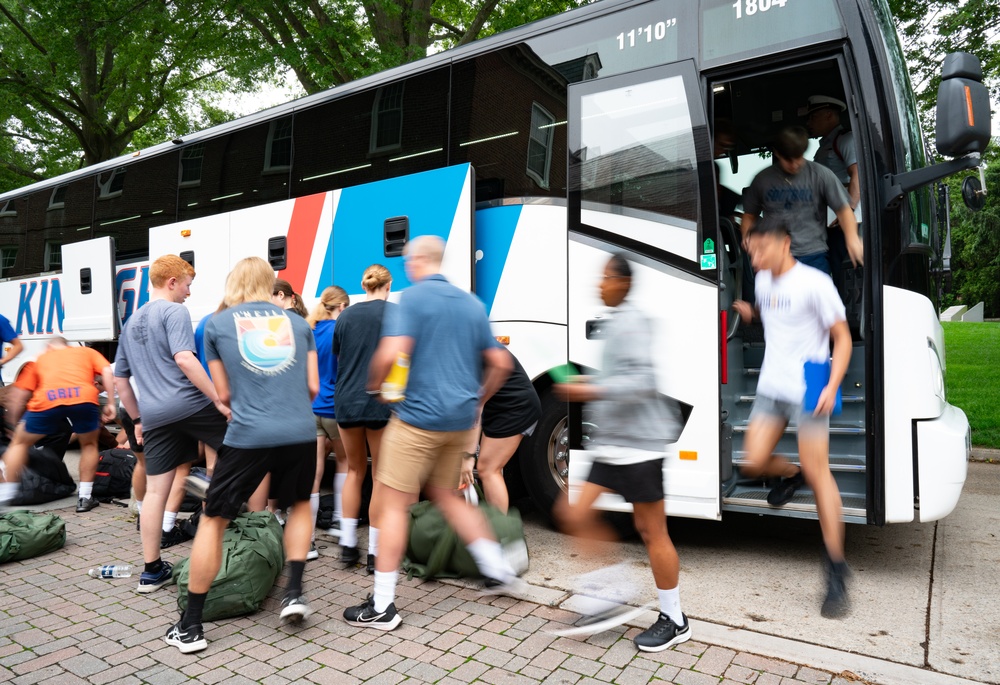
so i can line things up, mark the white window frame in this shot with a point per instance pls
(271, 140)
(8, 209)
(47, 264)
(53, 204)
(7, 252)
(104, 191)
(187, 154)
(378, 112)
(533, 131)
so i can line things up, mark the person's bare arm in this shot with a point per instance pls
(312, 371)
(220, 381)
(747, 223)
(16, 346)
(111, 408)
(16, 401)
(842, 347)
(849, 224)
(388, 350)
(195, 372)
(498, 367)
(854, 186)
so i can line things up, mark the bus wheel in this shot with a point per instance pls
(544, 456)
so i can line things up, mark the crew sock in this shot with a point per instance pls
(195, 605)
(295, 571)
(338, 501)
(670, 604)
(373, 541)
(385, 589)
(168, 520)
(86, 490)
(348, 532)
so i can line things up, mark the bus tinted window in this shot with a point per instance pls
(637, 152)
(13, 230)
(509, 121)
(750, 28)
(241, 169)
(56, 216)
(398, 128)
(650, 34)
(132, 199)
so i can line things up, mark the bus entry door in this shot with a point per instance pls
(88, 290)
(638, 143)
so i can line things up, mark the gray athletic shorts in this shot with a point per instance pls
(791, 413)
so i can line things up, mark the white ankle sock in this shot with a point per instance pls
(670, 604)
(314, 506)
(489, 558)
(168, 520)
(138, 506)
(9, 491)
(373, 541)
(86, 489)
(385, 589)
(338, 501)
(348, 532)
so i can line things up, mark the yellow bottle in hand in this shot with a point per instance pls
(394, 385)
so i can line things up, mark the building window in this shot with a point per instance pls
(58, 198)
(540, 145)
(279, 145)
(8, 255)
(8, 209)
(387, 118)
(191, 163)
(113, 185)
(53, 256)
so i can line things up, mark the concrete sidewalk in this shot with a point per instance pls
(58, 625)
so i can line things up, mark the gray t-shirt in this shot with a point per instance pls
(802, 200)
(264, 352)
(836, 152)
(146, 348)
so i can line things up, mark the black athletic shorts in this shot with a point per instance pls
(370, 425)
(167, 447)
(642, 482)
(238, 472)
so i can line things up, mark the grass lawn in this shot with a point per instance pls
(972, 379)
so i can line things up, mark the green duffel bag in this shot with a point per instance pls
(434, 550)
(24, 535)
(252, 559)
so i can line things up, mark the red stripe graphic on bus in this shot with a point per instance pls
(301, 235)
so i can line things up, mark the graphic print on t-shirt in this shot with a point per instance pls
(265, 342)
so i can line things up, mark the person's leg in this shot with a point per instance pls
(651, 523)
(89, 456)
(494, 453)
(139, 479)
(762, 437)
(579, 519)
(15, 459)
(206, 559)
(353, 441)
(258, 501)
(814, 451)
(176, 497)
(158, 488)
(374, 438)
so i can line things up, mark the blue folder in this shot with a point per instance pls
(817, 377)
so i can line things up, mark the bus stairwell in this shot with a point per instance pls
(847, 437)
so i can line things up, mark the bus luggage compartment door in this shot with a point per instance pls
(88, 290)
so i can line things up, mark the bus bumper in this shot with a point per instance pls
(943, 448)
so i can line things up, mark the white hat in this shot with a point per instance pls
(816, 102)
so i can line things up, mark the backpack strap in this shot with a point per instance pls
(836, 148)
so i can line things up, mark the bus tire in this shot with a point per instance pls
(544, 455)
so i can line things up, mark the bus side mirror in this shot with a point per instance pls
(972, 194)
(963, 107)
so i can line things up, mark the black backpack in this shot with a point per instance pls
(114, 474)
(45, 478)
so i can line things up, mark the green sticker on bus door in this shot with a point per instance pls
(708, 247)
(707, 262)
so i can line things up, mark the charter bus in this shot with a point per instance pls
(536, 153)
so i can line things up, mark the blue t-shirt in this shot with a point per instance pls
(327, 362)
(264, 351)
(450, 331)
(199, 342)
(7, 332)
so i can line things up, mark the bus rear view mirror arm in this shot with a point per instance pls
(895, 186)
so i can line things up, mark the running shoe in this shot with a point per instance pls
(350, 556)
(85, 504)
(294, 609)
(663, 634)
(836, 604)
(197, 484)
(365, 616)
(334, 530)
(313, 553)
(174, 536)
(149, 582)
(783, 492)
(189, 640)
(512, 586)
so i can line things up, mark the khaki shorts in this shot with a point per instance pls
(327, 428)
(411, 457)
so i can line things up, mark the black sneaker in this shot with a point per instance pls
(174, 536)
(294, 609)
(365, 616)
(783, 492)
(190, 640)
(149, 582)
(836, 604)
(370, 564)
(85, 504)
(350, 556)
(663, 634)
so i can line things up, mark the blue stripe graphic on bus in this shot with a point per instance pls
(429, 199)
(495, 228)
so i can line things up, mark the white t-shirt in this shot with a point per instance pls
(797, 309)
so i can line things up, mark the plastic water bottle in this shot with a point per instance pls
(111, 571)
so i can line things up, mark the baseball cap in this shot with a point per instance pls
(816, 102)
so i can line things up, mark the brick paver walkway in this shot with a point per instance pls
(58, 625)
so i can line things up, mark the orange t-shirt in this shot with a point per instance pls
(62, 376)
